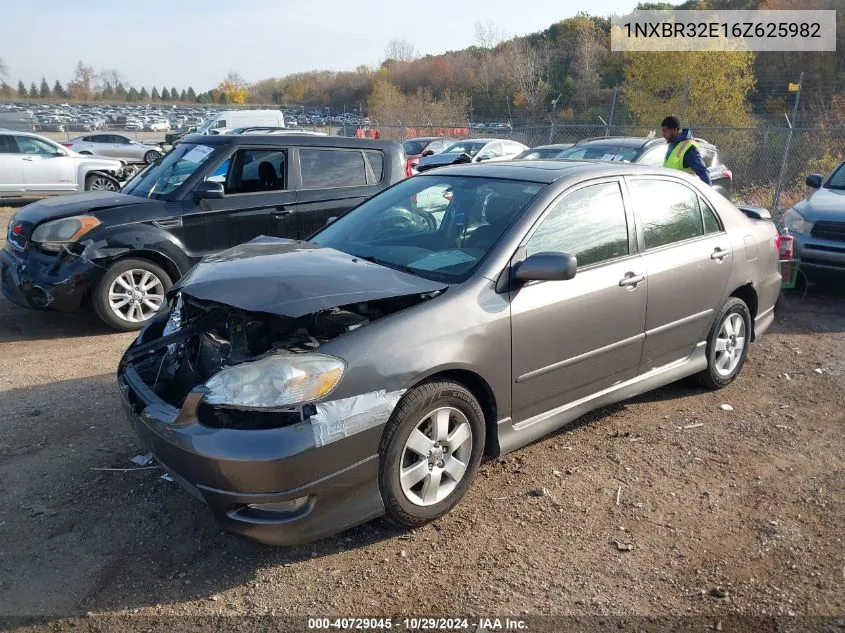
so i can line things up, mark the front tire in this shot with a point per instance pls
(429, 452)
(101, 182)
(727, 345)
(130, 294)
(151, 157)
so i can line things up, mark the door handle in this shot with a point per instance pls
(631, 279)
(280, 212)
(28, 158)
(719, 254)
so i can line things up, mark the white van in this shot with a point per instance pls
(222, 122)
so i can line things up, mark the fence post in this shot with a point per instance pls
(612, 108)
(782, 173)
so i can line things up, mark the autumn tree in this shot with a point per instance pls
(528, 74)
(232, 89)
(4, 70)
(587, 59)
(6, 91)
(487, 37)
(400, 51)
(704, 87)
(82, 86)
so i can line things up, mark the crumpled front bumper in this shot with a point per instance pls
(330, 466)
(42, 282)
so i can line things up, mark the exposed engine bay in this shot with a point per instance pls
(218, 336)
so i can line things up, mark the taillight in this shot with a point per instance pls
(786, 246)
(408, 172)
(17, 229)
(448, 195)
(727, 173)
(68, 144)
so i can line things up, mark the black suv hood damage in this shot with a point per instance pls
(291, 279)
(74, 204)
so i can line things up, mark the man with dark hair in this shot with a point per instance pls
(682, 152)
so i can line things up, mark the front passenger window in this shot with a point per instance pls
(589, 224)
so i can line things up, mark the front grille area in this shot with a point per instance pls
(826, 230)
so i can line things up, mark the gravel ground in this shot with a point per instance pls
(667, 505)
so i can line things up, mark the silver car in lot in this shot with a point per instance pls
(303, 387)
(116, 146)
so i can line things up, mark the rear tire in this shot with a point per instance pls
(115, 303)
(727, 345)
(436, 436)
(151, 157)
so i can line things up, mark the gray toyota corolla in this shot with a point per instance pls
(301, 388)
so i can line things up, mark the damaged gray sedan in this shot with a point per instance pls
(300, 388)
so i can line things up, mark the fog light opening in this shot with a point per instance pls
(280, 507)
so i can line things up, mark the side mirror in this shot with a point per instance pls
(546, 267)
(814, 181)
(330, 220)
(428, 152)
(209, 191)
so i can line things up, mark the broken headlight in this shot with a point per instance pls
(53, 236)
(280, 380)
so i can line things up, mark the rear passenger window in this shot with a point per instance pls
(711, 222)
(324, 168)
(669, 211)
(589, 223)
(8, 145)
(376, 160)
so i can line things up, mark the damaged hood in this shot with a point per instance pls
(74, 204)
(292, 279)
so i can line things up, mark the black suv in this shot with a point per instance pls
(123, 251)
(649, 151)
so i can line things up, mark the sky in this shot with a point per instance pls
(197, 42)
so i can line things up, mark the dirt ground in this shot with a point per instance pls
(667, 505)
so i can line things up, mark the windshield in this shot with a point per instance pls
(837, 180)
(165, 176)
(465, 148)
(601, 152)
(414, 147)
(437, 227)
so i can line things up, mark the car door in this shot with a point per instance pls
(331, 182)
(120, 147)
(254, 203)
(11, 165)
(574, 338)
(46, 167)
(687, 258)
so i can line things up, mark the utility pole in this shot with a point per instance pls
(552, 128)
(782, 174)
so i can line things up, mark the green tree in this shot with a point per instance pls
(144, 96)
(174, 95)
(184, 96)
(154, 96)
(44, 90)
(702, 87)
(58, 91)
(165, 94)
(21, 90)
(192, 96)
(132, 95)
(33, 91)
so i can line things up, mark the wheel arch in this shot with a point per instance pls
(748, 294)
